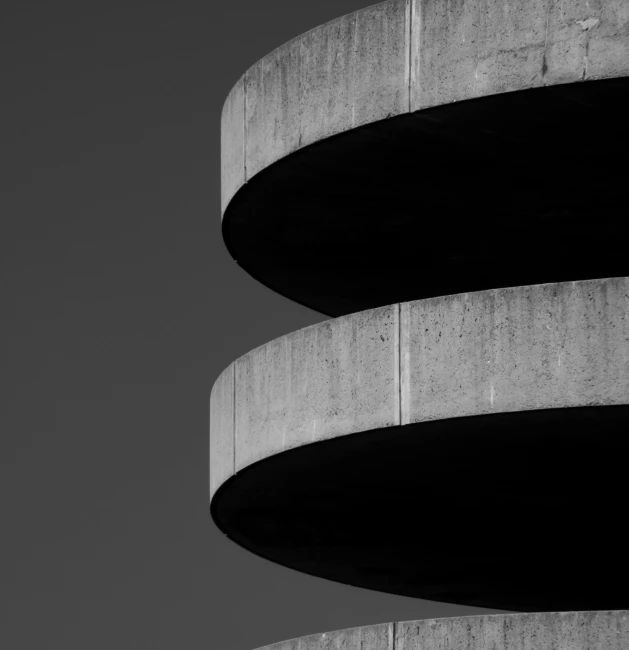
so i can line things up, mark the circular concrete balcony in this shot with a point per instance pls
(415, 149)
(469, 448)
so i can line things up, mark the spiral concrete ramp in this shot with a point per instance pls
(448, 181)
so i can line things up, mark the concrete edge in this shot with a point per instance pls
(544, 346)
(401, 56)
(604, 630)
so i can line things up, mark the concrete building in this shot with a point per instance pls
(447, 181)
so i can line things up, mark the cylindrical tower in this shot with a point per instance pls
(446, 180)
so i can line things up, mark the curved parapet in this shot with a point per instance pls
(523, 348)
(402, 56)
(416, 148)
(331, 379)
(573, 630)
(462, 380)
(340, 75)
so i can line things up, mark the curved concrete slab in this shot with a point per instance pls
(402, 56)
(504, 350)
(331, 379)
(222, 428)
(421, 448)
(573, 630)
(518, 349)
(424, 204)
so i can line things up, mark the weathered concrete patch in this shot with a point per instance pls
(222, 429)
(505, 350)
(233, 143)
(406, 55)
(372, 637)
(348, 72)
(274, 91)
(355, 70)
(544, 346)
(574, 630)
(547, 631)
(331, 379)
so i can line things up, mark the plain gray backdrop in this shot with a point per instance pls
(120, 308)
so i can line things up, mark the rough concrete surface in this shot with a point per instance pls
(222, 429)
(340, 75)
(331, 379)
(548, 631)
(401, 56)
(233, 143)
(372, 637)
(523, 348)
(273, 87)
(478, 47)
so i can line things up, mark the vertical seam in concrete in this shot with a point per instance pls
(244, 125)
(544, 63)
(234, 417)
(410, 5)
(478, 34)
(300, 66)
(356, 64)
(393, 633)
(399, 363)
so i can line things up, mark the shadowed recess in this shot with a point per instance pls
(514, 189)
(522, 511)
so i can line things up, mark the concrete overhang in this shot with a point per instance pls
(468, 448)
(364, 162)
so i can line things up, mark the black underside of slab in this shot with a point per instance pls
(520, 511)
(513, 189)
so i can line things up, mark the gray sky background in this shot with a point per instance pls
(121, 307)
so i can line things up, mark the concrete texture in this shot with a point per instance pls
(233, 143)
(355, 70)
(372, 637)
(476, 48)
(405, 55)
(504, 350)
(222, 429)
(555, 631)
(523, 348)
(274, 89)
(331, 379)
(340, 75)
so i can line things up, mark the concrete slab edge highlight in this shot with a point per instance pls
(547, 631)
(503, 350)
(401, 56)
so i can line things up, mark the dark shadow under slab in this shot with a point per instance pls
(521, 511)
(512, 189)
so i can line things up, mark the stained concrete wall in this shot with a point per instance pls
(554, 631)
(343, 74)
(472, 48)
(544, 346)
(233, 143)
(335, 378)
(401, 56)
(523, 348)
